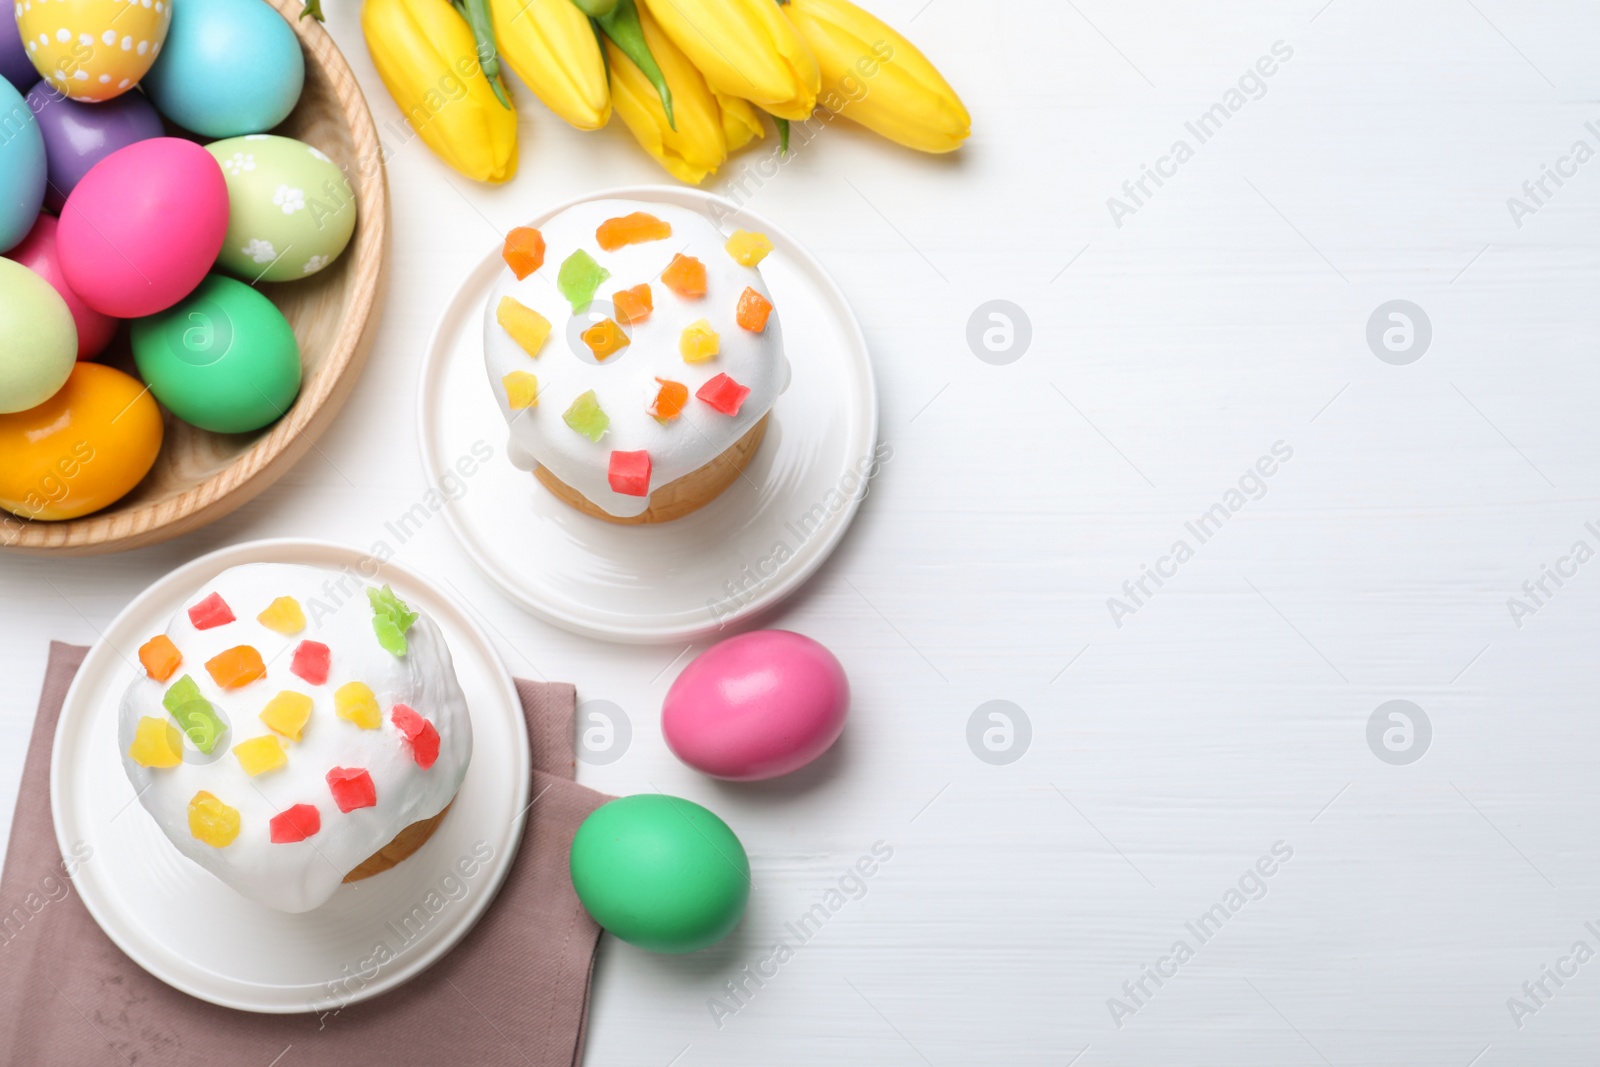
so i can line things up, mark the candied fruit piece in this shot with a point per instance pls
(287, 713)
(235, 667)
(160, 657)
(283, 616)
(629, 473)
(260, 754)
(526, 326)
(631, 229)
(753, 310)
(724, 394)
(211, 612)
(522, 390)
(195, 716)
(685, 276)
(294, 824)
(156, 743)
(699, 342)
(633, 305)
(355, 702)
(391, 618)
(352, 788)
(670, 399)
(212, 821)
(604, 338)
(419, 732)
(523, 251)
(580, 276)
(311, 661)
(748, 248)
(586, 417)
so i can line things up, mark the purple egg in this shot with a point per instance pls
(77, 135)
(15, 67)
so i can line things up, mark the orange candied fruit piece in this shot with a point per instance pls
(670, 399)
(633, 305)
(524, 251)
(604, 338)
(235, 667)
(753, 310)
(631, 229)
(160, 657)
(685, 276)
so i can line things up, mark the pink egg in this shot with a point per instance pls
(38, 253)
(143, 227)
(756, 706)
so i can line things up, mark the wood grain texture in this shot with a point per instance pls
(201, 476)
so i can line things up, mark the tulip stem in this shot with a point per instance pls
(622, 25)
(312, 8)
(783, 134)
(476, 13)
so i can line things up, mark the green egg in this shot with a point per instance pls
(291, 210)
(660, 872)
(223, 358)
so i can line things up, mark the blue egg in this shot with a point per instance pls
(22, 169)
(229, 67)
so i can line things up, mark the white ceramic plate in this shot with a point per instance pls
(742, 553)
(194, 933)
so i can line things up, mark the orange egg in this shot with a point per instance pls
(82, 449)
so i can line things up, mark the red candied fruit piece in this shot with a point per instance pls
(352, 788)
(210, 613)
(753, 310)
(629, 473)
(524, 251)
(685, 276)
(311, 662)
(724, 394)
(420, 732)
(294, 824)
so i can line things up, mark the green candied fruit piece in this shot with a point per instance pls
(586, 417)
(578, 279)
(391, 618)
(195, 716)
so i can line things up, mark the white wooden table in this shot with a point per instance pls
(1179, 737)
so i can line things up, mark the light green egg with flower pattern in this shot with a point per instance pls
(291, 210)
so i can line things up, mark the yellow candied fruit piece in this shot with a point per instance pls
(604, 338)
(699, 342)
(156, 743)
(522, 390)
(526, 326)
(355, 702)
(212, 821)
(287, 713)
(260, 754)
(283, 616)
(747, 248)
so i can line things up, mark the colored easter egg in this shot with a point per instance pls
(229, 67)
(660, 872)
(15, 66)
(143, 227)
(93, 49)
(79, 135)
(38, 343)
(82, 449)
(291, 210)
(223, 359)
(22, 167)
(38, 253)
(756, 706)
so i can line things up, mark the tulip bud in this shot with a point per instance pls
(552, 47)
(697, 146)
(745, 48)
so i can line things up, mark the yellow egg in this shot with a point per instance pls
(93, 49)
(82, 449)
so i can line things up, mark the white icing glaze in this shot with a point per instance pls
(299, 876)
(625, 383)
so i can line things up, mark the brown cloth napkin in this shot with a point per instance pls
(515, 991)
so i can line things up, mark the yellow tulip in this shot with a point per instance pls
(741, 123)
(876, 77)
(428, 60)
(746, 48)
(698, 146)
(552, 47)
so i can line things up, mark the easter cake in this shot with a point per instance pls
(637, 367)
(294, 729)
